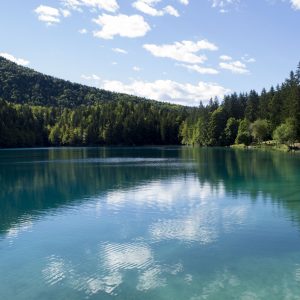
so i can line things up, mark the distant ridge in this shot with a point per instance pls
(22, 85)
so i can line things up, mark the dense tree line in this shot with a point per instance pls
(110, 123)
(40, 110)
(248, 118)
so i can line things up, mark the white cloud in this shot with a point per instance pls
(295, 4)
(82, 31)
(250, 60)
(200, 69)
(19, 61)
(66, 13)
(91, 77)
(122, 25)
(225, 57)
(185, 2)
(51, 15)
(108, 5)
(171, 11)
(48, 14)
(168, 90)
(246, 58)
(185, 51)
(223, 4)
(147, 7)
(119, 50)
(136, 69)
(235, 67)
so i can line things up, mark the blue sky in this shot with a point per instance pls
(180, 51)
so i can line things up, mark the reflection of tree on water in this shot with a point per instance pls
(273, 175)
(175, 221)
(34, 180)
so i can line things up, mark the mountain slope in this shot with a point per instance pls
(22, 85)
(40, 110)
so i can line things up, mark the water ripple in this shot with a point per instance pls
(127, 256)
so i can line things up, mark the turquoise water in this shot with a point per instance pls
(149, 223)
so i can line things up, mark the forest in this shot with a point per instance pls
(39, 110)
(248, 118)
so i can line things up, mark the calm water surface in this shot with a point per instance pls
(149, 223)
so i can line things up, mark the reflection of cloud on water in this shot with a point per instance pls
(120, 257)
(150, 279)
(222, 280)
(204, 217)
(58, 271)
(198, 214)
(115, 260)
(55, 270)
(216, 287)
(127, 256)
(188, 278)
(163, 194)
(225, 283)
(23, 226)
(297, 273)
(191, 229)
(233, 216)
(203, 223)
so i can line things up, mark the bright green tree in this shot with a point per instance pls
(260, 130)
(286, 133)
(244, 133)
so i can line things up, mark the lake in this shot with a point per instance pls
(149, 223)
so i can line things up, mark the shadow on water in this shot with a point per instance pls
(35, 181)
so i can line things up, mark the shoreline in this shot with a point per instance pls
(269, 145)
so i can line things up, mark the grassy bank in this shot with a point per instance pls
(269, 145)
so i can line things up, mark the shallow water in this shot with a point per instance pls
(149, 223)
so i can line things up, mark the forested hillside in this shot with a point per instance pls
(23, 85)
(248, 118)
(40, 110)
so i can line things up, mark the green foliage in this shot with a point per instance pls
(251, 110)
(23, 85)
(244, 133)
(41, 110)
(217, 124)
(111, 123)
(231, 131)
(265, 111)
(286, 133)
(260, 130)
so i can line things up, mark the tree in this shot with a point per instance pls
(263, 108)
(231, 131)
(260, 130)
(298, 74)
(244, 133)
(286, 133)
(251, 111)
(217, 124)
